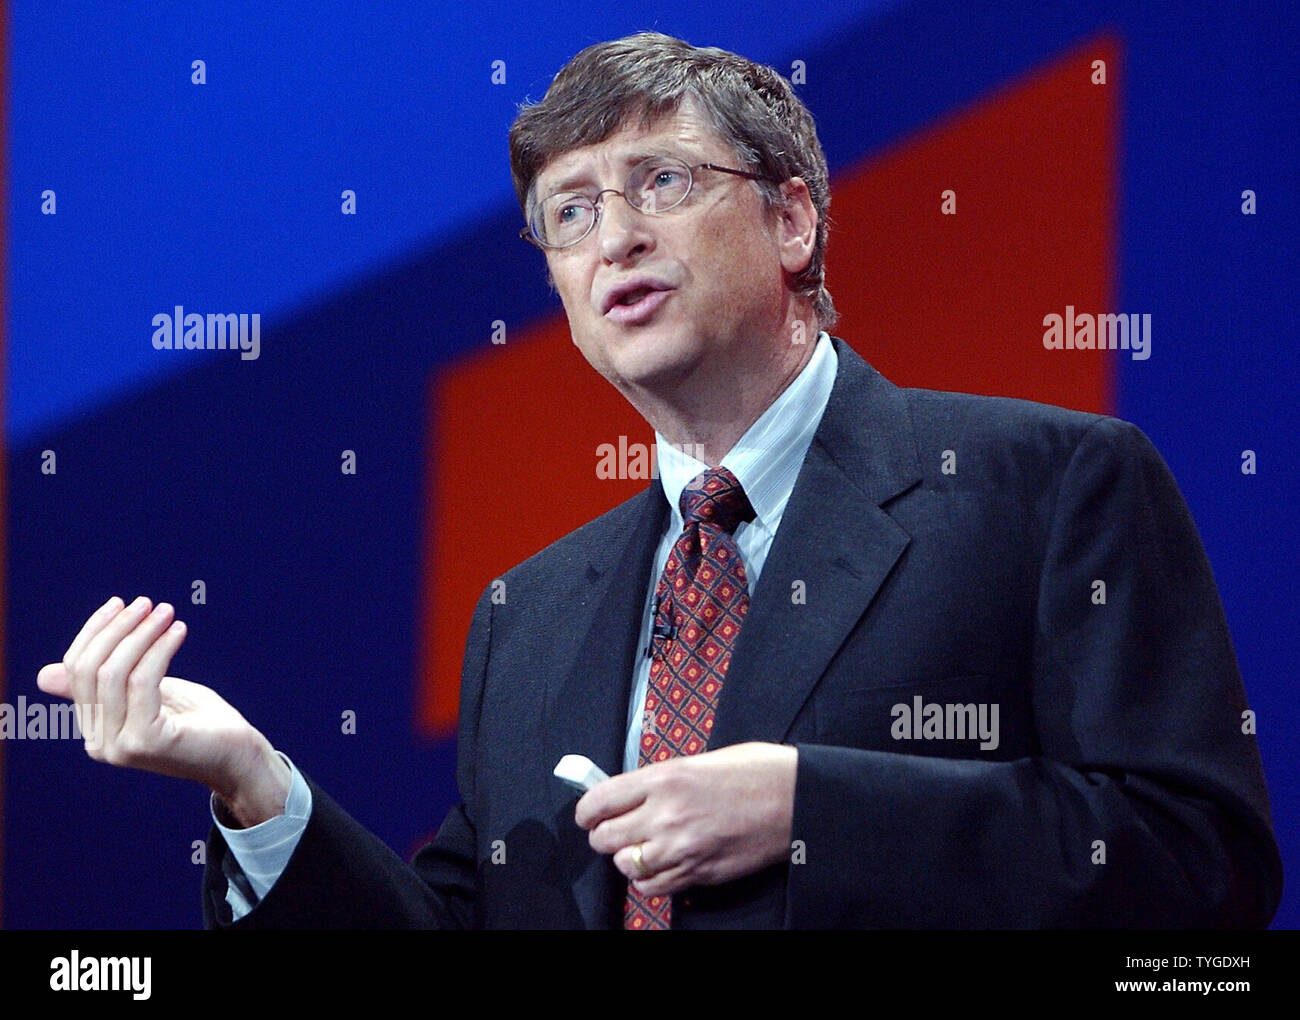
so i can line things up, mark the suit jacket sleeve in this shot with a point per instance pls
(1146, 806)
(342, 876)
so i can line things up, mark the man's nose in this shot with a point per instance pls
(621, 230)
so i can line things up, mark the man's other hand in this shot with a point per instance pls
(699, 820)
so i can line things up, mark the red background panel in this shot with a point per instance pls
(957, 302)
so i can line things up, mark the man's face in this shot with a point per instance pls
(713, 261)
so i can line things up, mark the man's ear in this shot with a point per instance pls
(796, 225)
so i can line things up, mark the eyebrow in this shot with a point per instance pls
(571, 181)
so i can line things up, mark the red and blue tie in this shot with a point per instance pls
(700, 603)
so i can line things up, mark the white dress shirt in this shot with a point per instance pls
(766, 461)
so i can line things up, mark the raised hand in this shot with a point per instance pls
(114, 671)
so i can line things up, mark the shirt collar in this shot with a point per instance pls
(767, 458)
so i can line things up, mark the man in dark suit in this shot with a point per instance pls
(861, 656)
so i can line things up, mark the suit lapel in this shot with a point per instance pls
(587, 705)
(835, 539)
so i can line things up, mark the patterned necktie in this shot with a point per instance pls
(700, 603)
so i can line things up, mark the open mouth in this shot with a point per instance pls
(633, 296)
(637, 305)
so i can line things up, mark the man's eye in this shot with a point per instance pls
(569, 212)
(666, 178)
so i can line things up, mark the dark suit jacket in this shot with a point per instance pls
(1120, 724)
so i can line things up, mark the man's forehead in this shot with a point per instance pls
(679, 132)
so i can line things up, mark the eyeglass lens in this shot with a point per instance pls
(655, 185)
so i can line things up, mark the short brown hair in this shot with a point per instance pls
(649, 74)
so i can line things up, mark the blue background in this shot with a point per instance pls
(175, 466)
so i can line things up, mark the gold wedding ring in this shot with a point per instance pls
(639, 861)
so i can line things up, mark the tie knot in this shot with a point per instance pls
(716, 497)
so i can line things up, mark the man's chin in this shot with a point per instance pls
(650, 360)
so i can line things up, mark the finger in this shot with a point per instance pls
(651, 859)
(92, 626)
(144, 686)
(54, 679)
(615, 796)
(666, 882)
(624, 830)
(85, 668)
(120, 663)
(98, 620)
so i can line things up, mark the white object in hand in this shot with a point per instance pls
(580, 772)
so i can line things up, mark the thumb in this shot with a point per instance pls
(54, 679)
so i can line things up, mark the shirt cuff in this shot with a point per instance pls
(262, 851)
